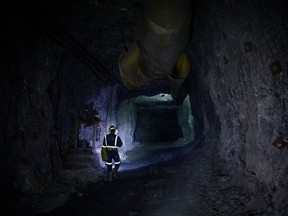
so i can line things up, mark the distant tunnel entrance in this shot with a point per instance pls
(155, 120)
(157, 125)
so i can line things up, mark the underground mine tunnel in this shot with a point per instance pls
(197, 90)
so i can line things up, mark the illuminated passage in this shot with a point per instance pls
(155, 119)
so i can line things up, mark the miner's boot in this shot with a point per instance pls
(115, 171)
(110, 176)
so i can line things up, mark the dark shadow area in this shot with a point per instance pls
(157, 125)
(144, 186)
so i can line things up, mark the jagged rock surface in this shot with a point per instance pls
(244, 103)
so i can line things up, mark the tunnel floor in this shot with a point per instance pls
(168, 188)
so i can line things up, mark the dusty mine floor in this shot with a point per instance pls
(172, 182)
(168, 188)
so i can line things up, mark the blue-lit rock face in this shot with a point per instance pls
(243, 94)
(154, 121)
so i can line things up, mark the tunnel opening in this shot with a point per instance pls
(150, 124)
(157, 125)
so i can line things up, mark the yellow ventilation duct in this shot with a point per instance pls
(162, 34)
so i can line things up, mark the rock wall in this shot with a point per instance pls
(239, 55)
(238, 94)
(43, 89)
(29, 148)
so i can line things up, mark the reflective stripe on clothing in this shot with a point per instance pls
(115, 143)
(113, 155)
(107, 163)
